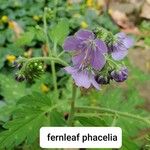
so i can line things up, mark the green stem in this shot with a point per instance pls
(45, 31)
(54, 71)
(54, 78)
(72, 109)
(50, 54)
(49, 59)
(60, 54)
(111, 111)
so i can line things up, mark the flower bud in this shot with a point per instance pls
(120, 75)
(102, 80)
(19, 77)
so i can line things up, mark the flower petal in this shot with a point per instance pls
(70, 69)
(71, 43)
(128, 42)
(119, 54)
(95, 84)
(98, 60)
(101, 46)
(121, 35)
(84, 34)
(82, 79)
(78, 59)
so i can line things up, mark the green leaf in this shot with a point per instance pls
(57, 119)
(5, 111)
(36, 100)
(91, 121)
(11, 90)
(32, 112)
(25, 39)
(25, 127)
(128, 144)
(59, 32)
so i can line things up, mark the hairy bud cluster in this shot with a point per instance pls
(28, 70)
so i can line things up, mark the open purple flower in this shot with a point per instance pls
(120, 75)
(120, 47)
(82, 78)
(89, 51)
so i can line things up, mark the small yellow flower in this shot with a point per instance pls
(36, 18)
(4, 19)
(44, 88)
(89, 3)
(10, 58)
(110, 11)
(100, 4)
(84, 24)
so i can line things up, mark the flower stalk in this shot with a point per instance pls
(72, 109)
(50, 54)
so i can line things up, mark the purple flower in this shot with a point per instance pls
(120, 47)
(120, 75)
(89, 51)
(82, 78)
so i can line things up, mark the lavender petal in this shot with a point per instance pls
(119, 54)
(101, 46)
(84, 34)
(128, 42)
(98, 60)
(71, 43)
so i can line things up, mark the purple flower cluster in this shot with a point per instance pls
(89, 57)
(120, 46)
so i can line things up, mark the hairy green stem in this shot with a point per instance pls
(72, 109)
(45, 31)
(115, 112)
(47, 59)
(54, 71)
(50, 54)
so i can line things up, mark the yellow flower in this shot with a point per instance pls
(10, 58)
(4, 19)
(84, 24)
(110, 11)
(89, 3)
(36, 18)
(44, 88)
(100, 4)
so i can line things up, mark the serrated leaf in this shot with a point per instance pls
(59, 32)
(22, 128)
(36, 99)
(32, 112)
